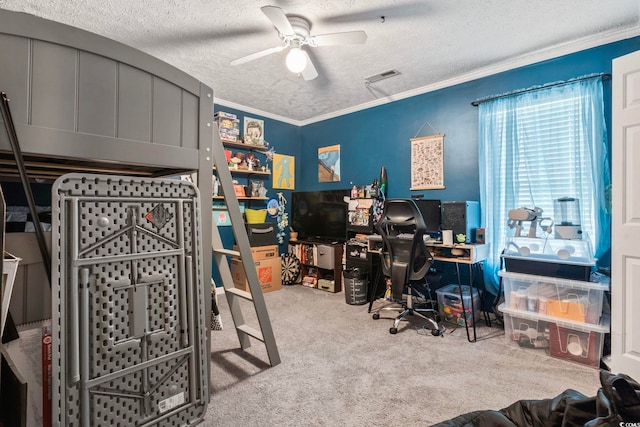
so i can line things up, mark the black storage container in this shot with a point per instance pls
(355, 286)
(562, 270)
(262, 234)
(562, 258)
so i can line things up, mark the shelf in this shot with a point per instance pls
(247, 172)
(241, 198)
(361, 229)
(243, 146)
(324, 259)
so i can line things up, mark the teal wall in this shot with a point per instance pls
(285, 139)
(380, 136)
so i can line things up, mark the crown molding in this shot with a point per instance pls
(510, 64)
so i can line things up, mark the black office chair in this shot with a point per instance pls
(405, 260)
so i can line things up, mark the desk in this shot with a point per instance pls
(469, 254)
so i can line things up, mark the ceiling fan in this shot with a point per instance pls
(294, 31)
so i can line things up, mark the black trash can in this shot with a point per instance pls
(355, 286)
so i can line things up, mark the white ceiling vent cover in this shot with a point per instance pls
(382, 76)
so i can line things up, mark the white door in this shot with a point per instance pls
(625, 248)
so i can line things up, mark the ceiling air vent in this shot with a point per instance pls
(381, 76)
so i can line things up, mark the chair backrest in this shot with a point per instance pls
(404, 255)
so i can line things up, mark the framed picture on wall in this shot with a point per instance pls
(253, 131)
(329, 163)
(284, 171)
(427, 163)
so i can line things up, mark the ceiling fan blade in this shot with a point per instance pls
(349, 37)
(257, 55)
(309, 72)
(278, 19)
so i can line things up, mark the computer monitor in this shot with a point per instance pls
(431, 213)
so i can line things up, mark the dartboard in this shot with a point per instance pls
(290, 269)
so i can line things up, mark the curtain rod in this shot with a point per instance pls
(605, 76)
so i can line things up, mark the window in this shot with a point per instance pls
(538, 146)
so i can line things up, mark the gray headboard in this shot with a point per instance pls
(84, 103)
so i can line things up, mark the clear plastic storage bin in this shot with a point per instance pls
(561, 298)
(567, 259)
(563, 339)
(450, 304)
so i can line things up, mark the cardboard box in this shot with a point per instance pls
(224, 114)
(228, 137)
(262, 252)
(269, 274)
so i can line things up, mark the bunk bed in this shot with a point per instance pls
(84, 103)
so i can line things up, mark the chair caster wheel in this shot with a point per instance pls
(436, 332)
(376, 316)
(393, 331)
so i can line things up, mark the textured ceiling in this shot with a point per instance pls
(432, 43)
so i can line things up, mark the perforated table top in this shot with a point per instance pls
(129, 322)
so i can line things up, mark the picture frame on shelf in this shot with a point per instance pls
(257, 188)
(253, 131)
(239, 190)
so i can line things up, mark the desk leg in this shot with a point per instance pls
(485, 313)
(487, 320)
(473, 308)
(374, 289)
(464, 309)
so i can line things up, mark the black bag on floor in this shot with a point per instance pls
(617, 402)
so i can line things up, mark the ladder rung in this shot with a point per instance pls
(222, 258)
(229, 252)
(251, 332)
(239, 292)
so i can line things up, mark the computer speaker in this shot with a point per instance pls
(461, 217)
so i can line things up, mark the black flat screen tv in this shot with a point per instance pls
(320, 216)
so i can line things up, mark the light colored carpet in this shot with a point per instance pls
(342, 368)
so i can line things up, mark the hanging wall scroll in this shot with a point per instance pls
(427, 162)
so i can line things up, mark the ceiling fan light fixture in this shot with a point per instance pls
(296, 60)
